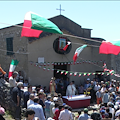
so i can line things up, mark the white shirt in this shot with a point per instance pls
(103, 89)
(29, 102)
(112, 111)
(54, 109)
(12, 82)
(70, 90)
(97, 87)
(65, 115)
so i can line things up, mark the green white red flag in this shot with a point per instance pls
(26, 30)
(77, 52)
(34, 25)
(13, 65)
(112, 47)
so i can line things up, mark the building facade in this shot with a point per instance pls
(48, 49)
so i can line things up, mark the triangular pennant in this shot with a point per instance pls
(66, 72)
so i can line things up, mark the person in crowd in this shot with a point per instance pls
(85, 115)
(108, 112)
(81, 89)
(31, 100)
(26, 95)
(57, 112)
(38, 109)
(60, 87)
(102, 112)
(16, 97)
(47, 107)
(105, 99)
(79, 113)
(21, 79)
(45, 90)
(55, 108)
(95, 115)
(97, 87)
(59, 99)
(112, 88)
(66, 83)
(87, 85)
(99, 96)
(25, 84)
(12, 81)
(29, 114)
(52, 86)
(92, 92)
(70, 109)
(103, 89)
(112, 111)
(53, 102)
(65, 114)
(18, 76)
(70, 89)
(41, 102)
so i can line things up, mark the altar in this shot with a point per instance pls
(77, 101)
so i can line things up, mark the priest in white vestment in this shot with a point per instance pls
(70, 89)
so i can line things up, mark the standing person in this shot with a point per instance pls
(12, 81)
(85, 115)
(92, 92)
(99, 96)
(55, 108)
(37, 108)
(41, 102)
(53, 102)
(16, 97)
(57, 112)
(52, 86)
(81, 89)
(59, 99)
(105, 98)
(26, 95)
(65, 114)
(31, 100)
(70, 89)
(47, 107)
(60, 87)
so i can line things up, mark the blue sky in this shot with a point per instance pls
(101, 16)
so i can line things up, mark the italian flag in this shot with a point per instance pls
(112, 47)
(13, 65)
(41, 23)
(77, 52)
(65, 48)
(26, 30)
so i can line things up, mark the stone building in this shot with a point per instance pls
(47, 49)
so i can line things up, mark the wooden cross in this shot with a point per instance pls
(60, 9)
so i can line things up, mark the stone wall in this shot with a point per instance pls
(5, 97)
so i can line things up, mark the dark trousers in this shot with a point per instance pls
(18, 113)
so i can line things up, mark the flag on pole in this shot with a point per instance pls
(77, 52)
(13, 65)
(65, 48)
(26, 30)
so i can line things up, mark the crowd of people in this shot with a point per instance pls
(42, 103)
